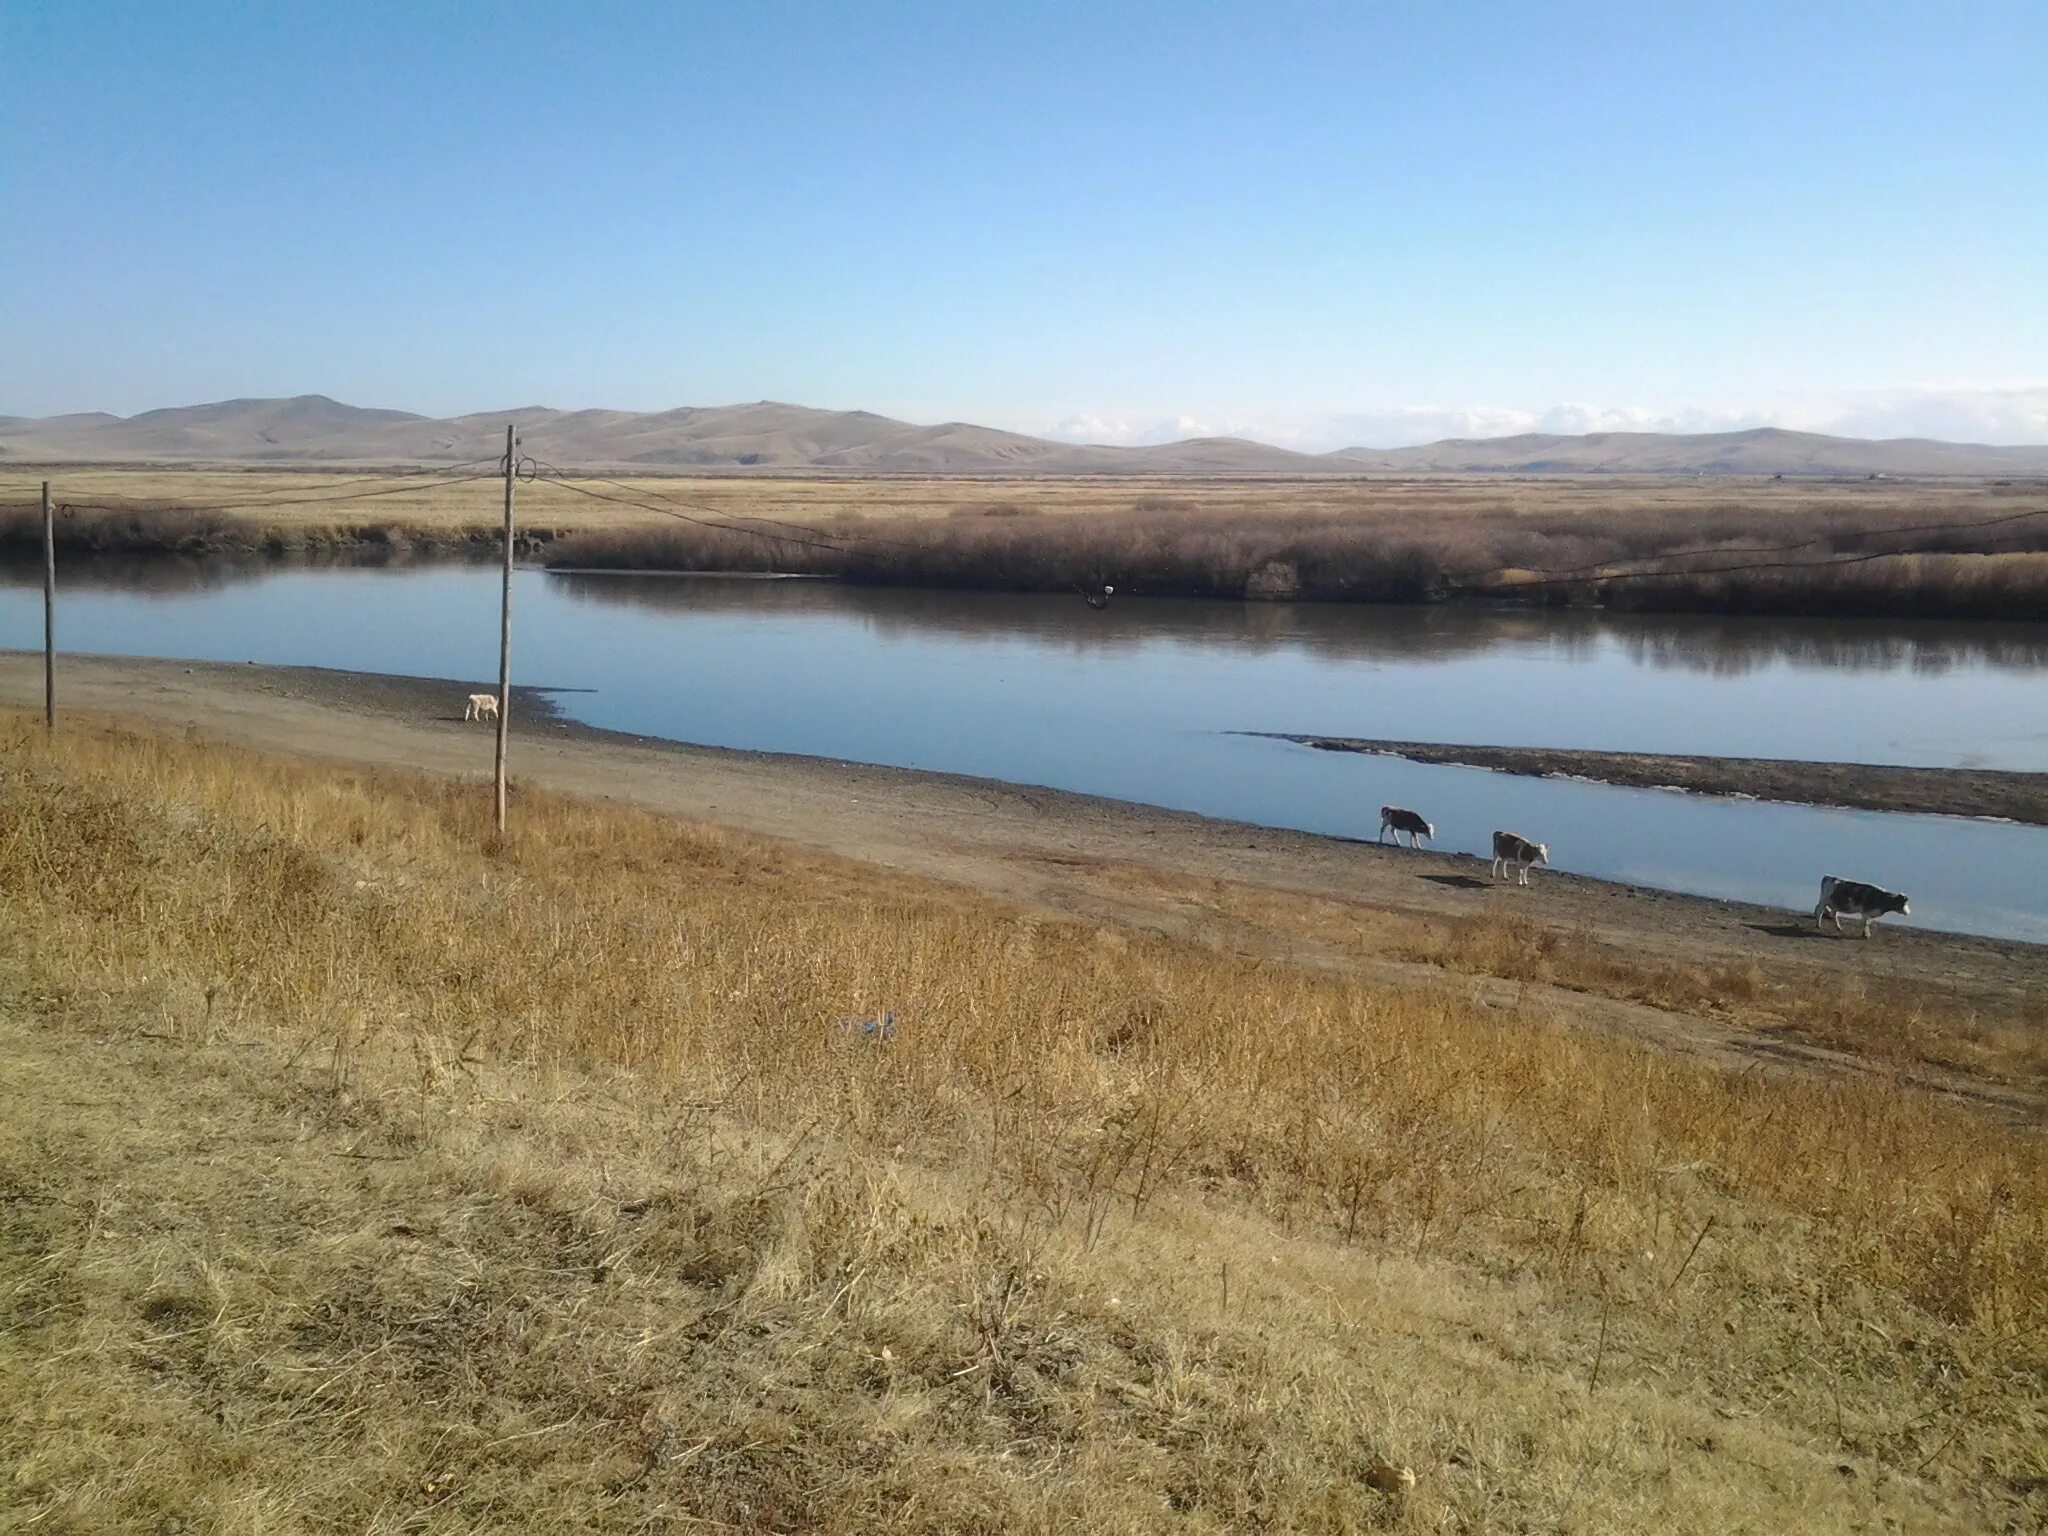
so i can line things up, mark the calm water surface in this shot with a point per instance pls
(1137, 702)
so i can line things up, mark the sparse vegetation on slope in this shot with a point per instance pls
(1112, 1230)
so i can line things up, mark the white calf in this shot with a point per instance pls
(482, 706)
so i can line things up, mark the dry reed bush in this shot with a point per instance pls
(1770, 1240)
(1373, 553)
(98, 532)
(102, 531)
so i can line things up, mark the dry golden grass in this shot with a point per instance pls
(288, 496)
(408, 1184)
(284, 499)
(1901, 1023)
(1898, 1021)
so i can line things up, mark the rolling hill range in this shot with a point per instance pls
(314, 430)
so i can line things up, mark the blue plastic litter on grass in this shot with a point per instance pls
(883, 1028)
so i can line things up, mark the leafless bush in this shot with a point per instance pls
(1733, 559)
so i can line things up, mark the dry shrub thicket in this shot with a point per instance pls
(93, 531)
(1523, 542)
(1390, 555)
(1113, 1229)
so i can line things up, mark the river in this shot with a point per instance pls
(1140, 701)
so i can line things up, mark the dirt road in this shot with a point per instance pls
(1252, 889)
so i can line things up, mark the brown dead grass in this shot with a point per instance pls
(1903, 1023)
(419, 1185)
(1893, 1021)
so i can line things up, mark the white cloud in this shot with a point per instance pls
(1124, 432)
(2015, 414)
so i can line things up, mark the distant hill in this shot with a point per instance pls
(1760, 451)
(312, 429)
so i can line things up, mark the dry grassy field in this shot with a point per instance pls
(361, 1173)
(287, 498)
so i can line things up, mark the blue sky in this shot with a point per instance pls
(1311, 223)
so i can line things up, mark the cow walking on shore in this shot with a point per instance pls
(1520, 852)
(1866, 902)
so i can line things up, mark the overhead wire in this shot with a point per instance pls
(811, 537)
(556, 476)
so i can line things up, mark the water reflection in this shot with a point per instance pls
(1732, 647)
(162, 576)
(1417, 634)
(1713, 646)
(182, 575)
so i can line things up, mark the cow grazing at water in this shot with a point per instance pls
(1867, 902)
(482, 706)
(1399, 820)
(1518, 851)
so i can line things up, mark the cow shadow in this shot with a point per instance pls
(1461, 882)
(1789, 930)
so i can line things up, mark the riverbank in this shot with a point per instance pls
(639, 1170)
(1712, 978)
(1983, 792)
(1925, 550)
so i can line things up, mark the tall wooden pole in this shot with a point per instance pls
(49, 611)
(505, 624)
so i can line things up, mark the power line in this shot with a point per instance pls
(744, 517)
(556, 477)
(841, 543)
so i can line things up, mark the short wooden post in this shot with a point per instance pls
(49, 611)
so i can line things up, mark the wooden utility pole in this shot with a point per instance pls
(49, 611)
(505, 624)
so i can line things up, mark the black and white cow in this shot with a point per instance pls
(1398, 820)
(1867, 902)
(1518, 851)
